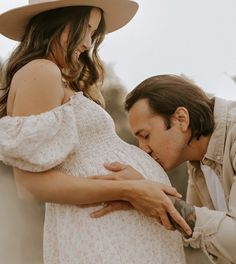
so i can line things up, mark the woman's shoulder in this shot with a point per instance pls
(37, 87)
(38, 67)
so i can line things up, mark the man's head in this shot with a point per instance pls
(167, 113)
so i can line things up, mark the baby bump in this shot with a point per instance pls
(91, 162)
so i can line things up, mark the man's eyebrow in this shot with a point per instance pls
(138, 132)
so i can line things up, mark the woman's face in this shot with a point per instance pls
(85, 44)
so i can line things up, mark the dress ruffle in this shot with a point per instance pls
(38, 142)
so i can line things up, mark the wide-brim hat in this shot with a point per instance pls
(117, 13)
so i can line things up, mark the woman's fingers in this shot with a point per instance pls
(165, 221)
(103, 211)
(119, 171)
(88, 205)
(179, 219)
(103, 177)
(170, 190)
(111, 207)
(115, 166)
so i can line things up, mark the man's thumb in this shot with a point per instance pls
(114, 166)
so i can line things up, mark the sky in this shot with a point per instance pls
(192, 37)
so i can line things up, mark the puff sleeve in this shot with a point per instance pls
(38, 142)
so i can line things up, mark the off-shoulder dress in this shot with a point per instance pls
(78, 137)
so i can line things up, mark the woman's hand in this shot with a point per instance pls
(150, 197)
(112, 206)
(120, 172)
(187, 211)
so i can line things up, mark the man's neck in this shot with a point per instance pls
(198, 148)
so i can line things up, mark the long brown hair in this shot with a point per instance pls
(165, 93)
(42, 32)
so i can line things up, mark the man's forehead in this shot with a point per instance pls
(139, 118)
(141, 107)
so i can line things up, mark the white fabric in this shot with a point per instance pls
(35, 142)
(215, 189)
(232, 198)
(83, 135)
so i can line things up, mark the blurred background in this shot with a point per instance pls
(193, 38)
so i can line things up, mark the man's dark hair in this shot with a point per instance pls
(165, 93)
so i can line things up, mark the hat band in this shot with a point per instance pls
(31, 2)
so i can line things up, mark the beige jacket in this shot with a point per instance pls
(215, 231)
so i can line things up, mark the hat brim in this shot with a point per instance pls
(117, 13)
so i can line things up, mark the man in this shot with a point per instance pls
(174, 121)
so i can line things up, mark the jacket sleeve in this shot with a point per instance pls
(215, 234)
(215, 231)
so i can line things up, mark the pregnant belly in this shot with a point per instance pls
(91, 162)
(120, 237)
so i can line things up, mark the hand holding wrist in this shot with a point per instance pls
(187, 211)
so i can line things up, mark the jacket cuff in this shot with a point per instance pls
(207, 224)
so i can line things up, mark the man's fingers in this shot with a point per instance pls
(171, 191)
(180, 220)
(115, 166)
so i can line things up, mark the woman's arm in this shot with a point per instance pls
(55, 186)
(38, 88)
(149, 197)
(58, 187)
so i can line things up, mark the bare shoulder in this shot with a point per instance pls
(37, 70)
(37, 87)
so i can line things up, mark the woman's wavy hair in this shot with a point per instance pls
(165, 93)
(42, 33)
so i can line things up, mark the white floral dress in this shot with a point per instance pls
(78, 137)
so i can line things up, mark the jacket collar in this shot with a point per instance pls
(215, 148)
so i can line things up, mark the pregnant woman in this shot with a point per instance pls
(55, 133)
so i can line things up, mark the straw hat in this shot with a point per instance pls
(117, 13)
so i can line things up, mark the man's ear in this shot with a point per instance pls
(181, 118)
